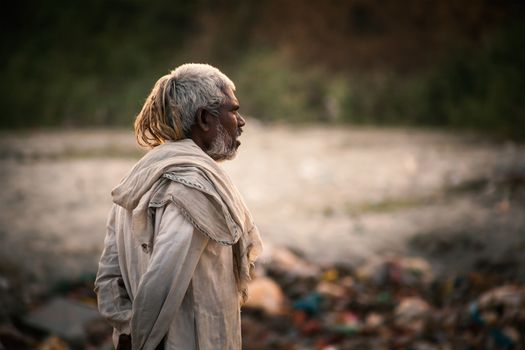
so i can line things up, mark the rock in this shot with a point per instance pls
(510, 296)
(411, 314)
(265, 294)
(284, 261)
(373, 271)
(347, 282)
(63, 317)
(407, 271)
(374, 320)
(415, 271)
(331, 289)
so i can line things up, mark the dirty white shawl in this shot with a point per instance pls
(182, 173)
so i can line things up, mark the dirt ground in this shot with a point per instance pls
(337, 194)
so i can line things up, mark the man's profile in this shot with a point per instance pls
(180, 242)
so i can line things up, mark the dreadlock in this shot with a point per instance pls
(169, 111)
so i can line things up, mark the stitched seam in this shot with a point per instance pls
(197, 186)
(158, 204)
(188, 217)
(176, 178)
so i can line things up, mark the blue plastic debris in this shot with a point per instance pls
(310, 304)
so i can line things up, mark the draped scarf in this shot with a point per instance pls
(182, 173)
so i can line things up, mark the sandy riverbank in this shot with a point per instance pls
(336, 194)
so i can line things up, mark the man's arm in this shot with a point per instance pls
(113, 300)
(176, 252)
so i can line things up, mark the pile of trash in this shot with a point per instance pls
(389, 303)
(392, 303)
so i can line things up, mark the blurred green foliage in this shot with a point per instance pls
(482, 89)
(271, 89)
(477, 89)
(85, 63)
(93, 63)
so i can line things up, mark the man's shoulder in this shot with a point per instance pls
(170, 191)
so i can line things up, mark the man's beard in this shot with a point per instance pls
(224, 147)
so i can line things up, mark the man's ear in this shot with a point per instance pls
(203, 119)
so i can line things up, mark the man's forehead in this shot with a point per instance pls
(231, 98)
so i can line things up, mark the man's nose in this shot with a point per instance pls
(240, 120)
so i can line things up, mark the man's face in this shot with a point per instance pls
(228, 129)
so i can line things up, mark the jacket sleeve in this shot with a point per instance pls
(113, 300)
(176, 252)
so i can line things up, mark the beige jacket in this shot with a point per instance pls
(179, 247)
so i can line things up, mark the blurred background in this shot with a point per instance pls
(383, 161)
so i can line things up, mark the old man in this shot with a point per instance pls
(180, 242)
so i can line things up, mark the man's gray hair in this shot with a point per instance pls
(198, 86)
(169, 111)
